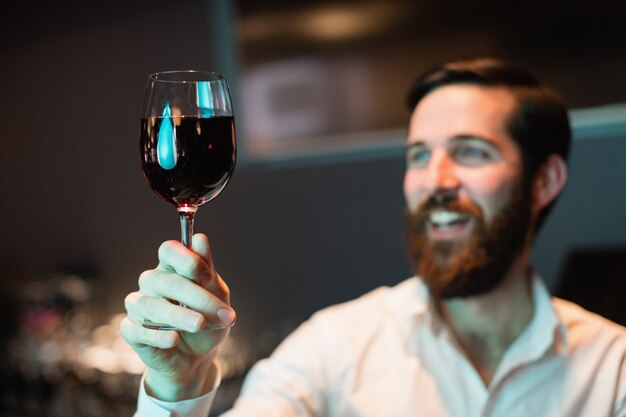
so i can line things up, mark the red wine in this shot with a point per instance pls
(188, 160)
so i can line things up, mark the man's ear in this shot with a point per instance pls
(549, 181)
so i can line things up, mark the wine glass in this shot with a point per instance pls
(188, 144)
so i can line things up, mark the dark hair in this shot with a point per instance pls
(539, 124)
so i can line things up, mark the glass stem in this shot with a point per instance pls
(186, 224)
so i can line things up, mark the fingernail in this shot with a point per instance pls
(167, 338)
(192, 321)
(226, 315)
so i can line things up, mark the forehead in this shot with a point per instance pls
(463, 110)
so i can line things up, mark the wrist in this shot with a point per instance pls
(178, 388)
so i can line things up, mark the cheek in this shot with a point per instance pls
(491, 189)
(491, 192)
(412, 194)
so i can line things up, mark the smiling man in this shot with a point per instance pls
(472, 208)
(474, 333)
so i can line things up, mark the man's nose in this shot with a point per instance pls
(441, 174)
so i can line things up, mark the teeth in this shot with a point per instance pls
(445, 217)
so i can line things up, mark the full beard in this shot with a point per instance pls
(474, 266)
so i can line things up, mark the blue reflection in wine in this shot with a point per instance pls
(166, 141)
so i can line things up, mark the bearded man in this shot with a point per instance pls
(474, 333)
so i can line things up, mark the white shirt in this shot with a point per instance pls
(389, 354)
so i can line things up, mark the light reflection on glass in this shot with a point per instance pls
(167, 154)
(205, 99)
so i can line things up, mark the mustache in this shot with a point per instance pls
(441, 201)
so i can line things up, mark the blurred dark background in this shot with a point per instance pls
(312, 216)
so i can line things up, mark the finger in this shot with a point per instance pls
(156, 285)
(218, 287)
(143, 309)
(213, 281)
(175, 257)
(138, 336)
(158, 282)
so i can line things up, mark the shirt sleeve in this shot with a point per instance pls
(620, 410)
(292, 382)
(148, 406)
(620, 407)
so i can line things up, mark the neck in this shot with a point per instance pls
(486, 325)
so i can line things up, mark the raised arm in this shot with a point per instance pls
(180, 363)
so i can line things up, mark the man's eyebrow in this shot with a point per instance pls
(419, 143)
(416, 144)
(478, 138)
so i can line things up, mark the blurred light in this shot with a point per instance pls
(104, 335)
(51, 352)
(345, 23)
(75, 288)
(100, 358)
(323, 23)
(109, 353)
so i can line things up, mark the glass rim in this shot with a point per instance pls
(194, 76)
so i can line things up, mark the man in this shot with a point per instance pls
(475, 333)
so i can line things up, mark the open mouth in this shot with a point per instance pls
(448, 222)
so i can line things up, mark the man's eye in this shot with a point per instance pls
(471, 155)
(418, 157)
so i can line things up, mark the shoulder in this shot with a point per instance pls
(378, 304)
(348, 329)
(353, 323)
(596, 348)
(585, 327)
(367, 324)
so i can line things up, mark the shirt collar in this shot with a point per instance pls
(419, 312)
(544, 334)
(547, 323)
(544, 331)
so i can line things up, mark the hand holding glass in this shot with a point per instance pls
(188, 143)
